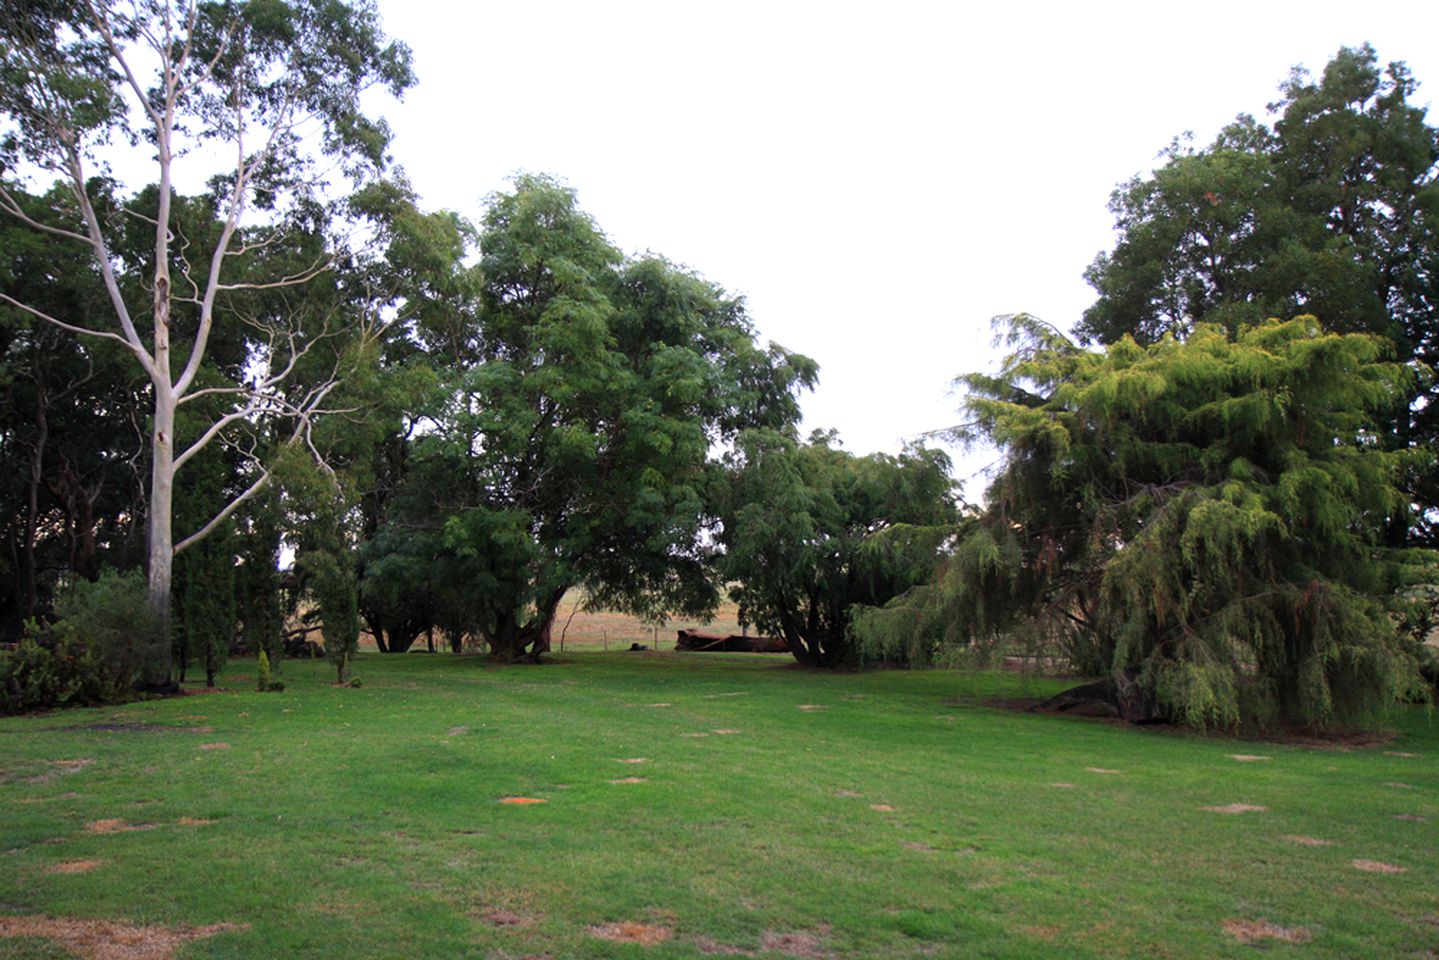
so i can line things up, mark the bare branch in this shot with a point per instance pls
(8, 204)
(83, 331)
(292, 280)
(224, 514)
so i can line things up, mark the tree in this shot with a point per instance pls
(1201, 521)
(571, 446)
(810, 531)
(1333, 211)
(250, 79)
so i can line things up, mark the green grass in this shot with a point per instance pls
(366, 823)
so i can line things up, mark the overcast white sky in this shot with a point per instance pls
(879, 180)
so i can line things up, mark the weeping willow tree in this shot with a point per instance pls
(1200, 521)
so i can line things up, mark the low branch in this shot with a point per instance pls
(224, 514)
(83, 331)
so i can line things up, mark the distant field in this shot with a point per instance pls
(663, 805)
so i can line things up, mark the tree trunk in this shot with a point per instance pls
(161, 549)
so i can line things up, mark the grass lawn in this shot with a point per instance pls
(696, 805)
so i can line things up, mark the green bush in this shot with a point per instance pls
(104, 642)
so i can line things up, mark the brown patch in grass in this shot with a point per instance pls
(498, 917)
(63, 768)
(642, 933)
(116, 826)
(1399, 786)
(74, 866)
(200, 729)
(661, 704)
(1248, 757)
(631, 760)
(726, 732)
(215, 746)
(1236, 808)
(521, 801)
(810, 707)
(921, 847)
(456, 731)
(1374, 866)
(1104, 771)
(713, 948)
(1249, 931)
(694, 734)
(882, 807)
(630, 780)
(713, 696)
(1400, 753)
(110, 939)
(194, 822)
(1411, 818)
(799, 943)
(1063, 786)
(1045, 933)
(848, 794)
(1309, 841)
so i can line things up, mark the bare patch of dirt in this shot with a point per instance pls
(457, 731)
(521, 801)
(1411, 818)
(1309, 841)
(74, 866)
(1249, 931)
(116, 826)
(811, 707)
(642, 933)
(110, 939)
(215, 746)
(661, 704)
(194, 822)
(499, 918)
(848, 794)
(1374, 866)
(694, 734)
(921, 847)
(726, 732)
(1063, 786)
(1102, 770)
(1399, 786)
(1236, 808)
(1248, 757)
(630, 780)
(631, 760)
(882, 807)
(1400, 753)
(800, 943)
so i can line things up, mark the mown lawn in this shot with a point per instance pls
(775, 812)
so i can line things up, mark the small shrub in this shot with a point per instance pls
(265, 681)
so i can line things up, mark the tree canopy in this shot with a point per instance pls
(571, 444)
(1333, 211)
(811, 530)
(1201, 520)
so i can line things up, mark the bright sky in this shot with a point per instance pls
(879, 180)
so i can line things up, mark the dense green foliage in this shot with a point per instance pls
(104, 642)
(1202, 521)
(811, 530)
(1333, 211)
(571, 444)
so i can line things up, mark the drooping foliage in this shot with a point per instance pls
(1333, 210)
(1202, 521)
(811, 530)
